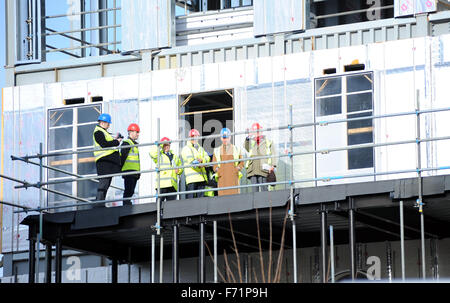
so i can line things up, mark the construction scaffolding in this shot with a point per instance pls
(291, 214)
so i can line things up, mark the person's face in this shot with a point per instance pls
(104, 124)
(225, 141)
(166, 147)
(194, 140)
(133, 135)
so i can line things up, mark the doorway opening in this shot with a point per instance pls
(208, 112)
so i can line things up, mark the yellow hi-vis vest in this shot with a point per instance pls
(99, 153)
(236, 155)
(132, 161)
(190, 154)
(268, 152)
(167, 178)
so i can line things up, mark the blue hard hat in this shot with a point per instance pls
(225, 132)
(104, 118)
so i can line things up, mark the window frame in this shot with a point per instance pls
(75, 161)
(344, 108)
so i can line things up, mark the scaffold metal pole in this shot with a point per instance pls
(292, 206)
(352, 243)
(323, 242)
(332, 253)
(39, 236)
(152, 265)
(420, 189)
(201, 257)
(161, 258)
(158, 179)
(14, 158)
(402, 240)
(215, 250)
(324, 151)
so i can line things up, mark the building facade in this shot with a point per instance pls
(175, 65)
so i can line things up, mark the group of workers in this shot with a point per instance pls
(198, 177)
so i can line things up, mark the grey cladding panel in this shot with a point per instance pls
(273, 17)
(232, 203)
(99, 217)
(185, 208)
(147, 24)
(319, 194)
(408, 188)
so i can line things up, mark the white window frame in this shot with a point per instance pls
(75, 157)
(344, 94)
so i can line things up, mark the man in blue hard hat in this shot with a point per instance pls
(107, 161)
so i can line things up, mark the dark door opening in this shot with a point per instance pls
(208, 112)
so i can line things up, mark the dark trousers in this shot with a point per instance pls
(259, 180)
(168, 190)
(195, 186)
(130, 185)
(102, 189)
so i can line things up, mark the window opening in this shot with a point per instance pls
(70, 129)
(209, 111)
(73, 101)
(352, 97)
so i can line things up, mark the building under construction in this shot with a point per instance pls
(353, 94)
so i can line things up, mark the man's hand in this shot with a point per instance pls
(200, 160)
(177, 171)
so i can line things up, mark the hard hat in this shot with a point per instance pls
(194, 133)
(104, 118)
(225, 133)
(133, 127)
(256, 126)
(165, 139)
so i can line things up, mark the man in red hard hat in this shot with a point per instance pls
(256, 144)
(130, 162)
(168, 179)
(193, 153)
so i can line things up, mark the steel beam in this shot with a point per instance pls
(114, 271)
(48, 259)
(31, 257)
(58, 260)
(175, 254)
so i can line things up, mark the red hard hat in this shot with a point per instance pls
(133, 127)
(256, 126)
(165, 139)
(194, 133)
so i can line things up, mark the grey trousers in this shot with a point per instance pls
(258, 180)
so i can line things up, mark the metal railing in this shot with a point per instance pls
(103, 45)
(291, 154)
(290, 182)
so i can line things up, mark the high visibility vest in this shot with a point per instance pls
(236, 155)
(167, 178)
(102, 153)
(189, 154)
(132, 161)
(268, 152)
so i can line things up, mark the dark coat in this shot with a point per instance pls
(109, 164)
